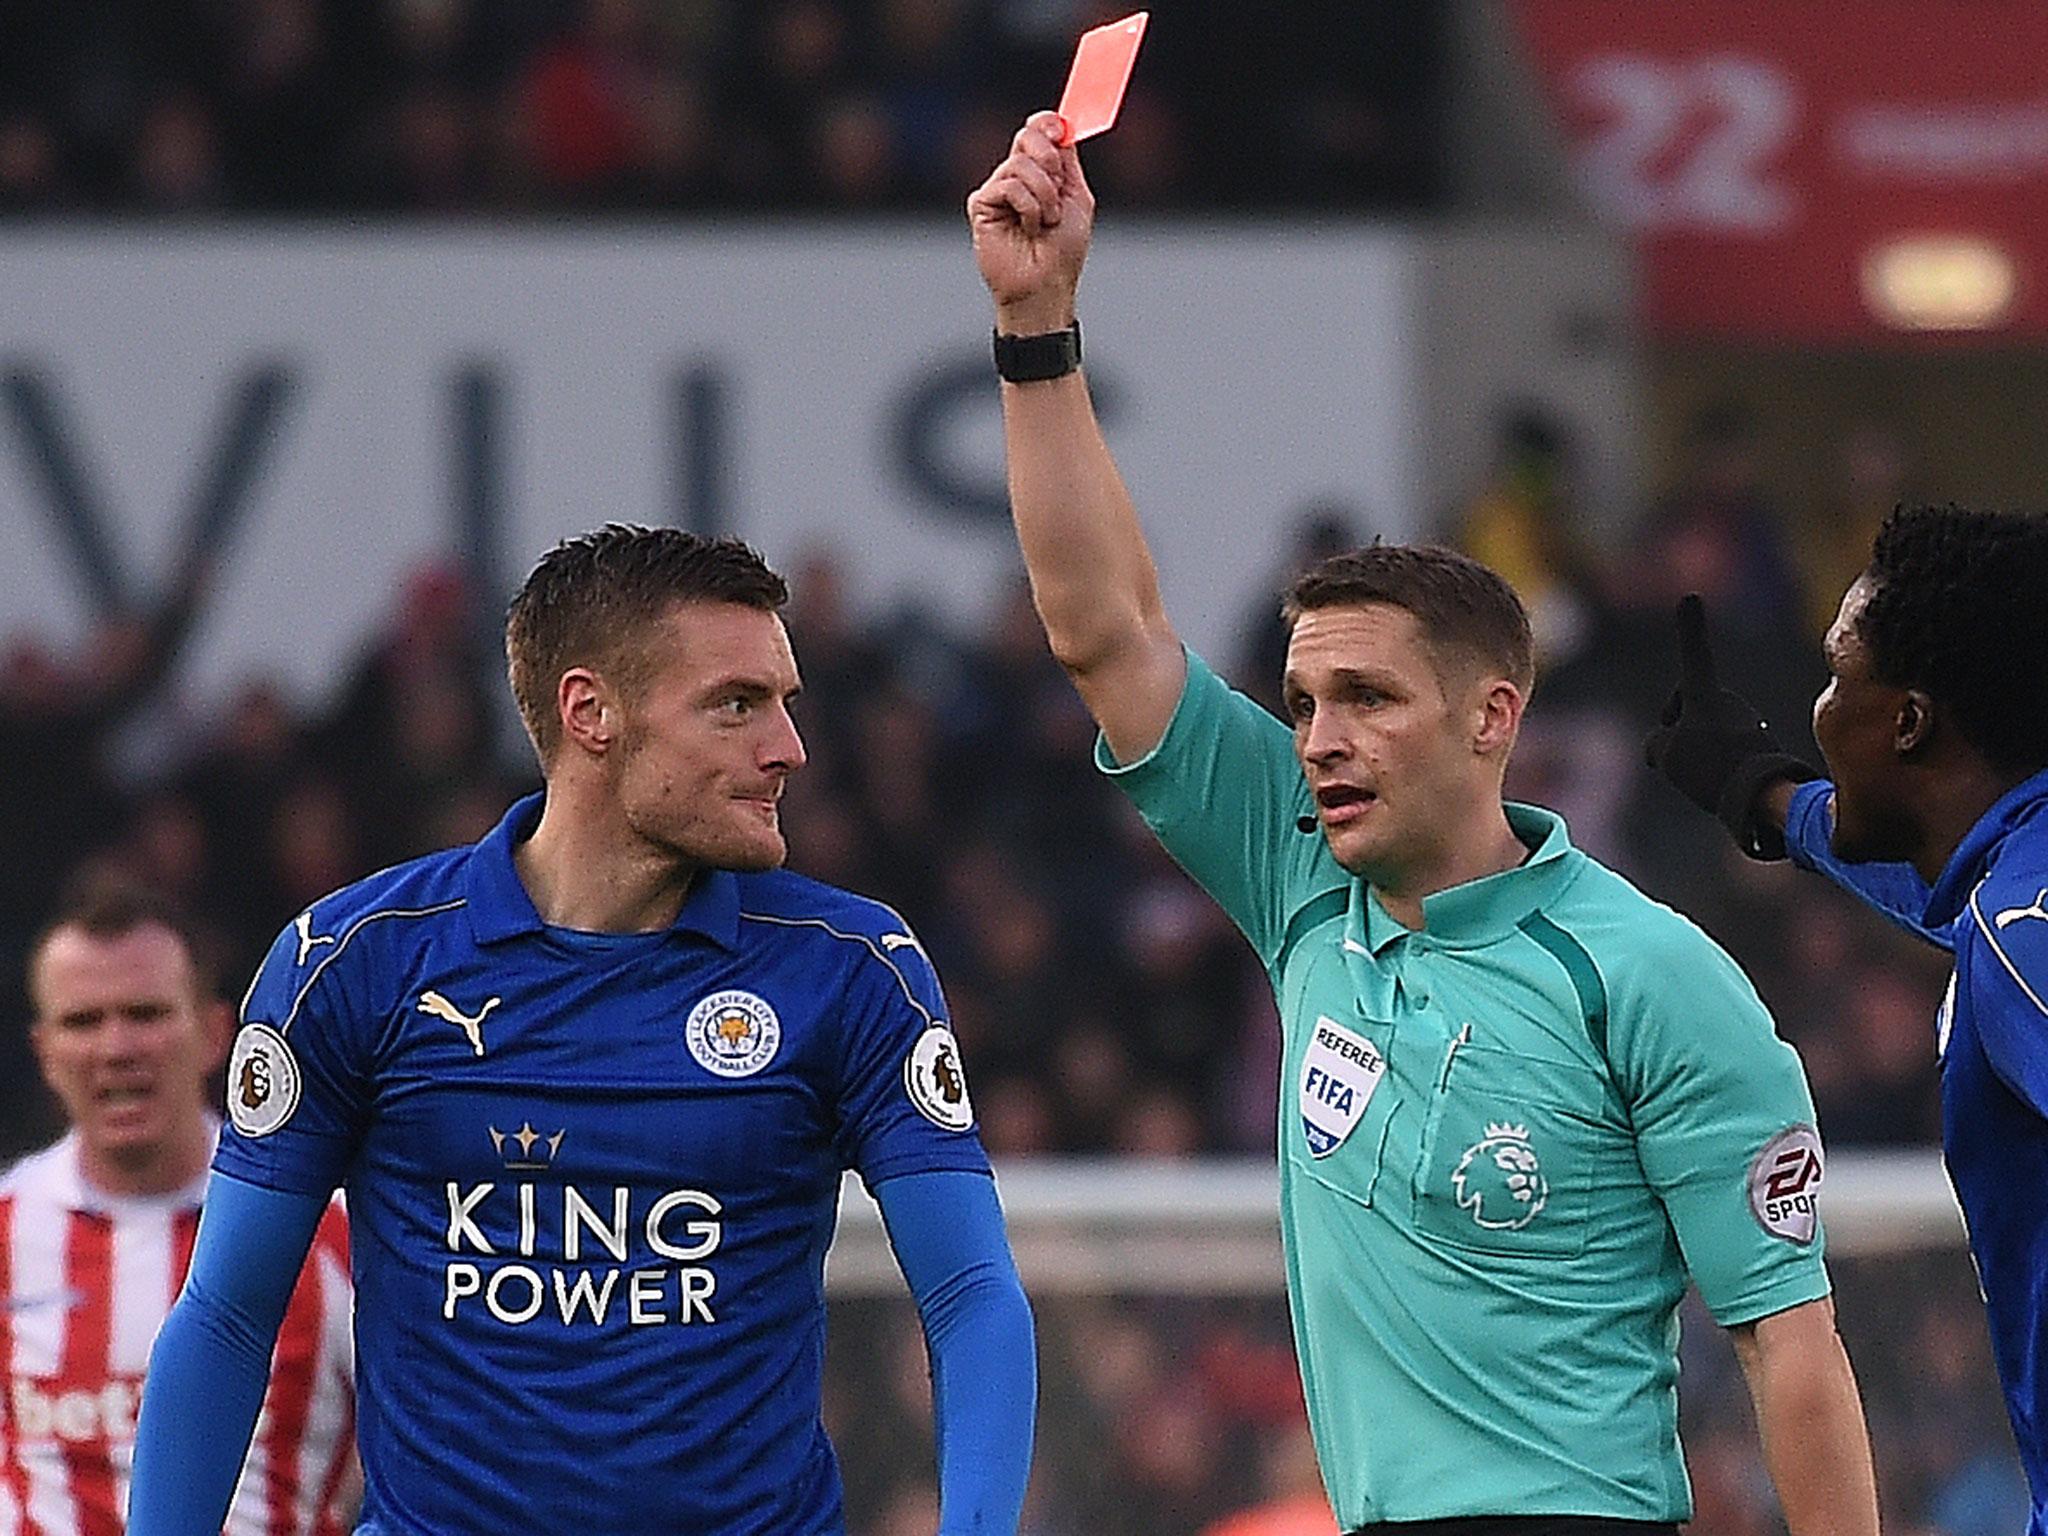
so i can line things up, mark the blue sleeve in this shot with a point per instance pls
(2008, 999)
(1895, 890)
(947, 1233)
(298, 1086)
(210, 1365)
(901, 1094)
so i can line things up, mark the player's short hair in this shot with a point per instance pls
(1956, 609)
(106, 904)
(1461, 604)
(591, 599)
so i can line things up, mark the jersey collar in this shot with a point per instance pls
(59, 1177)
(500, 908)
(1478, 911)
(1967, 864)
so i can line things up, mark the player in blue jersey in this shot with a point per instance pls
(1935, 730)
(590, 1085)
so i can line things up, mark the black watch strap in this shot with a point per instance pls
(1028, 359)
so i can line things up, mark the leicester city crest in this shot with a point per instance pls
(734, 1034)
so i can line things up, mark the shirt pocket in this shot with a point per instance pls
(1509, 1146)
(1337, 1105)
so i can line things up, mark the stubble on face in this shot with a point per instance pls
(706, 744)
(1377, 715)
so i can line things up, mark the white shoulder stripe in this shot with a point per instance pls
(852, 938)
(1991, 938)
(242, 1013)
(353, 929)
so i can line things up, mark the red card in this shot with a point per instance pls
(1102, 68)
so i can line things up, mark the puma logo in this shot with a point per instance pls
(2012, 915)
(308, 939)
(437, 1005)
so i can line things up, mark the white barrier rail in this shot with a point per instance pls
(1104, 1226)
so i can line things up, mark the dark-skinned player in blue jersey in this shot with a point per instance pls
(1934, 725)
(590, 1086)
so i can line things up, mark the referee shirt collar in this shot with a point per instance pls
(500, 908)
(1478, 911)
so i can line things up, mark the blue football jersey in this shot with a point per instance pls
(591, 1180)
(1990, 906)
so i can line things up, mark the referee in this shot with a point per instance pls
(1521, 1103)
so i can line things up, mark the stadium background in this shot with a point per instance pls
(322, 318)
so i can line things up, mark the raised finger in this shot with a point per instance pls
(1695, 656)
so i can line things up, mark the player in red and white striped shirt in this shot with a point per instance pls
(96, 1231)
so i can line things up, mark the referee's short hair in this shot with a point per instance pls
(1461, 604)
(592, 599)
(1958, 608)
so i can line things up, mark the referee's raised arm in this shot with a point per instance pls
(1092, 576)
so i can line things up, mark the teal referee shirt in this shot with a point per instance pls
(1507, 1140)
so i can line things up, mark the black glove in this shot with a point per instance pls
(1714, 745)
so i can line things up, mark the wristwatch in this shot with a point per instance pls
(1028, 359)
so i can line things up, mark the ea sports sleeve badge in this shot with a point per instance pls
(1784, 1184)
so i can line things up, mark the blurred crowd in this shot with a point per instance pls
(1105, 1005)
(1182, 1415)
(458, 106)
